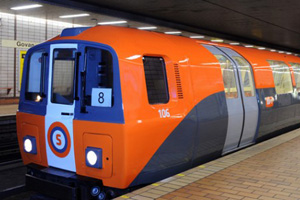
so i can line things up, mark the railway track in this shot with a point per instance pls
(9, 148)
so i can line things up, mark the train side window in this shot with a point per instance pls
(34, 76)
(296, 68)
(99, 75)
(156, 80)
(228, 77)
(282, 77)
(246, 75)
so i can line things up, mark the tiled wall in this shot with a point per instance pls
(26, 29)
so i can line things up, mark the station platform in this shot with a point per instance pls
(267, 171)
(6, 110)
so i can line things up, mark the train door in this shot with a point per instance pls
(249, 96)
(60, 106)
(233, 99)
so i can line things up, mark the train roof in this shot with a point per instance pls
(130, 40)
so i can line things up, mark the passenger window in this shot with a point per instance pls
(156, 80)
(33, 85)
(282, 77)
(99, 75)
(246, 75)
(296, 68)
(228, 77)
(63, 76)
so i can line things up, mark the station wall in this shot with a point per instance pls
(21, 28)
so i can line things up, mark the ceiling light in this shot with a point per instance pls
(147, 28)
(75, 15)
(26, 7)
(172, 32)
(234, 43)
(288, 53)
(249, 46)
(197, 36)
(261, 48)
(217, 40)
(112, 22)
(280, 51)
(273, 50)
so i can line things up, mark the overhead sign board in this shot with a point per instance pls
(18, 44)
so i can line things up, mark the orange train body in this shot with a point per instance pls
(131, 146)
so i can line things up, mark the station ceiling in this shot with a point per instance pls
(270, 23)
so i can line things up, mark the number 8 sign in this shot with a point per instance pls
(101, 97)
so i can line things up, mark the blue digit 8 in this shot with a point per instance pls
(101, 97)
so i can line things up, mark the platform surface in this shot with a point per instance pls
(267, 171)
(8, 109)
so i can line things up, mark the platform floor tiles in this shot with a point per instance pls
(8, 109)
(268, 170)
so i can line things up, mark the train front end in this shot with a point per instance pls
(70, 115)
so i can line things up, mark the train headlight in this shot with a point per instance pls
(29, 143)
(93, 157)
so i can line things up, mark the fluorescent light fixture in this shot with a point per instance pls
(273, 50)
(280, 51)
(197, 36)
(288, 53)
(75, 15)
(26, 7)
(249, 46)
(112, 22)
(147, 28)
(296, 54)
(217, 40)
(172, 32)
(261, 48)
(234, 43)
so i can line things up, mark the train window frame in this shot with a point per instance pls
(87, 97)
(34, 96)
(54, 101)
(296, 68)
(152, 100)
(240, 66)
(227, 92)
(274, 66)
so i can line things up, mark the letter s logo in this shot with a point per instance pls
(58, 140)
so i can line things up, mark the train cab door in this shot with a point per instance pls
(234, 99)
(60, 106)
(248, 94)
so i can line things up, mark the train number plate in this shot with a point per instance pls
(101, 97)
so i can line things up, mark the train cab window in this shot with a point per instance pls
(99, 77)
(282, 77)
(63, 76)
(228, 77)
(156, 80)
(246, 75)
(296, 68)
(33, 85)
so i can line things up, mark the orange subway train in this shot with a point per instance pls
(107, 109)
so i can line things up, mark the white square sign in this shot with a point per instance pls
(101, 97)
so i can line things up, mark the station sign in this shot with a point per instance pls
(18, 44)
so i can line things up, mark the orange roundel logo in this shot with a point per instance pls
(59, 139)
(269, 101)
